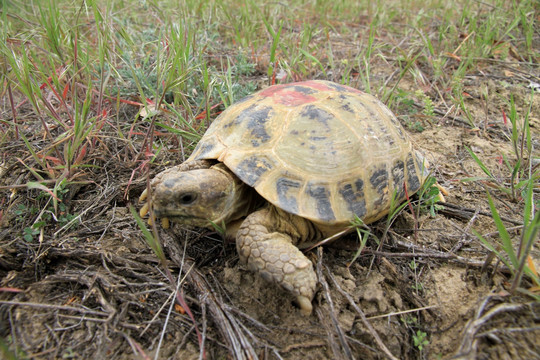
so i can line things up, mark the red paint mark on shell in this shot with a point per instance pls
(293, 98)
(286, 95)
(270, 91)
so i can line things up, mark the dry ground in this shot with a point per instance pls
(96, 289)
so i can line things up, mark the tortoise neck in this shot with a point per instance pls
(244, 201)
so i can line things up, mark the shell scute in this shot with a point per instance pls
(353, 196)
(252, 168)
(379, 183)
(413, 182)
(319, 195)
(398, 176)
(287, 191)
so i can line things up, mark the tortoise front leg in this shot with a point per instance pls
(265, 243)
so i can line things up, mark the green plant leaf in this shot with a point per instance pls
(480, 163)
(503, 233)
(150, 239)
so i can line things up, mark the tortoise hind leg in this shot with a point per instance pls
(265, 244)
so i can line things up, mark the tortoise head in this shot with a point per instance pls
(197, 197)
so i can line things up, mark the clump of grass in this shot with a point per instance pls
(364, 233)
(59, 87)
(429, 197)
(514, 183)
(429, 107)
(519, 185)
(517, 258)
(420, 340)
(54, 212)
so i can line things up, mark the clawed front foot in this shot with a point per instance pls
(277, 260)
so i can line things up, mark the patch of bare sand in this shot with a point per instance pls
(455, 300)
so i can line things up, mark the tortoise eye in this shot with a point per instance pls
(188, 198)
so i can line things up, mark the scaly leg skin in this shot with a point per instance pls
(265, 243)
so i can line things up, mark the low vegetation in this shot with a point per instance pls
(98, 96)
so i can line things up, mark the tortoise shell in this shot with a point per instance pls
(317, 149)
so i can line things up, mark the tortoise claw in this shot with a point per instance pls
(144, 195)
(144, 210)
(165, 223)
(442, 192)
(305, 305)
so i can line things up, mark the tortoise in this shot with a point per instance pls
(289, 166)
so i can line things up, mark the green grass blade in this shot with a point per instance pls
(150, 239)
(314, 60)
(491, 248)
(480, 163)
(506, 241)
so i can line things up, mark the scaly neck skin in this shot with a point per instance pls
(244, 201)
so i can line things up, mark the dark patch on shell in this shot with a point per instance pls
(170, 183)
(387, 137)
(398, 176)
(379, 181)
(322, 198)
(251, 169)
(287, 201)
(203, 148)
(338, 87)
(256, 122)
(302, 89)
(413, 183)
(255, 118)
(347, 108)
(345, 103)
(315, 113)
(354, 197)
